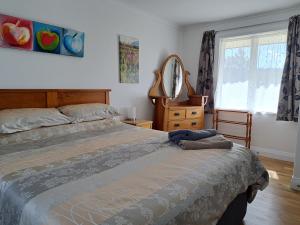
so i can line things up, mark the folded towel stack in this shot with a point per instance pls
(216, 142)
(201, 139)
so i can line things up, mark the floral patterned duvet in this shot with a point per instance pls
(109, 173)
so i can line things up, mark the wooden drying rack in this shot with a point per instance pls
(248, 124)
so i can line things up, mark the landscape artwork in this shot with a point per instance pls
(40, 37)
(129, 59)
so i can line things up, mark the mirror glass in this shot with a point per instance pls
(172, 77)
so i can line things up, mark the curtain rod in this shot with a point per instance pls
(254, 25)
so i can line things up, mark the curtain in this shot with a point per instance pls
(288, 106)
(205, 71)
(250, 71)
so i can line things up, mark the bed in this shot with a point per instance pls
(110, 173)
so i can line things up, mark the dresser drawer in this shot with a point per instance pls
(194, 124)
(177, 125)
(177, 114)
(194, 113)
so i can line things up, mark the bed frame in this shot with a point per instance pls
(50, 98)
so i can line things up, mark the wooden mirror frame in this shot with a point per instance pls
(158, 85)
(163, 74)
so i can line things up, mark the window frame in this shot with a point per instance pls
(236, 32)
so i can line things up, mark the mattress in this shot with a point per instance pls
(109, 173)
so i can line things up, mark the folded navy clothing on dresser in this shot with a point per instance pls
(179, 135)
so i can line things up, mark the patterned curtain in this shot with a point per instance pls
(205, 71)
(289, 99)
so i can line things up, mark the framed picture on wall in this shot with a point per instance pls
(129, 59)
(16, 33)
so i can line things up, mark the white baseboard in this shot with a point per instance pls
(295, 183)
(274, 153)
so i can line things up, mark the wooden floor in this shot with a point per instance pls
(277, 204)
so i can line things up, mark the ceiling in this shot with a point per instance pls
(185, 12)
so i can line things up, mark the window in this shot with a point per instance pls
(250, 71)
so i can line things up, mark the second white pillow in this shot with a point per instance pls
(88, 112)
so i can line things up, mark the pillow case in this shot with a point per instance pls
(15, 120)
(9, 141)
(88, 112)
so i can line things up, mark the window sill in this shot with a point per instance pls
(264, 114)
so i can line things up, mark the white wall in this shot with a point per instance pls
(102, 21)
(270, 137)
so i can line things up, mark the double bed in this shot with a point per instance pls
(110, 173)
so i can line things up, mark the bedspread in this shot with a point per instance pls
(109, 173)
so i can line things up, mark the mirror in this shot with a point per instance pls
(172, 74)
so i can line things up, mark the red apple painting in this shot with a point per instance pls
(16, 33)
(47, 38)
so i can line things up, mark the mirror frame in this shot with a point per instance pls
(157, 88)
(163, 71)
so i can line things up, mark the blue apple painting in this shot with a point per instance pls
(72, 43)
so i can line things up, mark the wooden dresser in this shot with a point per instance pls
(170, 116)
(170, 112)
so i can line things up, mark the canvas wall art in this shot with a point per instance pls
(40, 37)
(16, 32)
(129, 59)
(73, 43)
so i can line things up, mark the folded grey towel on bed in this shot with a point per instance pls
(215, 142)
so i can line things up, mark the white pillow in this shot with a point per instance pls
(88, 112)
(15, 120)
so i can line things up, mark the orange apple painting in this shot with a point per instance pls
(16, 33)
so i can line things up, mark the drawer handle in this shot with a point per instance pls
(176, 125)
(194, 123)
(177, 114)
(194, 113)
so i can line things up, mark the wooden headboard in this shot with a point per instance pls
(50, 98)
